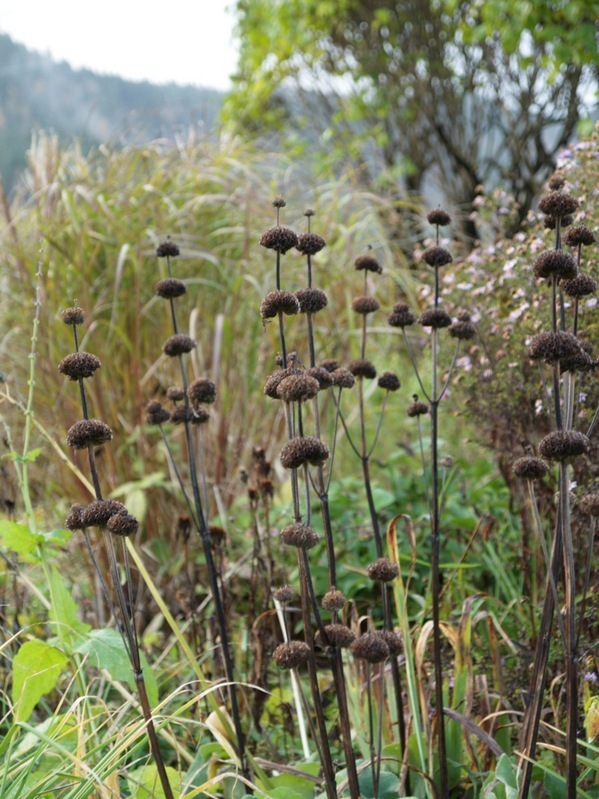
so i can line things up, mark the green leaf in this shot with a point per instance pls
(144, 782)
(64, 609)
(18, 538)
(106, 650)
(388, 785)
(36, 669)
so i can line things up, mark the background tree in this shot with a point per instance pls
(421, 90)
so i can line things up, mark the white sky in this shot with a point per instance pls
(185, 41)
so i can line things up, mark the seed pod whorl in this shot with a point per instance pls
(201, 391)
(530, 467)
(79, 365)
(278, 301)
(291, 654)
(311, 300)
(563, 444)
(279, 238)
(334, 600)
(361, 367)
(371, 647)
(383, 570)
(389, 381)
(88, 432)
(178, 344)
(310, 243)
(303, 449)
(299, 535)
(170, 288)
(437, 256)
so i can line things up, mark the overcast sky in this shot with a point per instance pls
(185, 41)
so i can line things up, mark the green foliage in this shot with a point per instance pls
(36, 669)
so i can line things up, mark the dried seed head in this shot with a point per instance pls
(122, 524)
(582, 362)
(365, 305)
(383, 570)
(284, 593)
(557, 181)
(181, 414)
(277, 302)
(310, 243)
(563, 444)
(435, 318)
(368, 263)
(321, 375)
(299, 535)
(362, 368)
(79, 365)
(343, 378)
(330, 364)
(98, 512)
(463, 329)
(339, 635)
(439, 217)
(579, 235)
(401, 316)
(178, 344)
(298, 388)
(279, 202)
(558, 204)
(175, 394)
(170, 288)
(555, 262)
(311, 300)
(371, 647)
(279, 238)
(580, 286)
(437, 256)
(389, 381)
(199, 415)
(74, 520)
(393, 641)
(88, 432)
(550, 222)
(167, 249)
(272, 383)
(551, 346)
(300, 450)
(155, 413)
(73, 316)
(334, 600)
(417, 408)
(201, 391)
(530, 468)
(291, 655)
(589, 505)
(309, 212)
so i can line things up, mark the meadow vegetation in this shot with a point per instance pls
(315, 436)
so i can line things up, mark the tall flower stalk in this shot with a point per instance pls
(114, 522)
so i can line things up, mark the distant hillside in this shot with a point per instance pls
(39, 93)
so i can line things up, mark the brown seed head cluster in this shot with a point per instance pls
(279, 238)
(74, 519)
(98, 512)
(178, 344)
(321, 375)
(580, 362)
(73, 316)
(311, 300)
(563, 444)
(371, 647)
(305, 449)
(156, 413)
(362, 367)
(550, 222)
(299, 535)
(181, 414)
(579, 235)
(365, 305)
(167, 249)
(437, 256)
(298, 388)
(170, 288)
(417, 408)
(175, 393)
(334, 600)
(201, 391)
(291, 655)
(530, 468)
(122, 524)
(555, 262)
(339, 635)
(88, 432)
(383, 570)
(589, 505)
(310, 243)
(463, 329)
(330, 364)
(401, 316)
(435, 318)
(343, 378)
(389, 381)
(284, 593)
(439, 217)
(368, 263)
(277, 302)
(393, 641)
(79, 365)
(580, 286)
(558, 204)
(552, 346)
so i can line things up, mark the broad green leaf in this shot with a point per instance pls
(106, 650)
(144, 782)
(64, 609)
(18, 538)
(36, 669)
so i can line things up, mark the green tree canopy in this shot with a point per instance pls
(465, 93)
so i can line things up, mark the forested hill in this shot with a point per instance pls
(37, 92)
